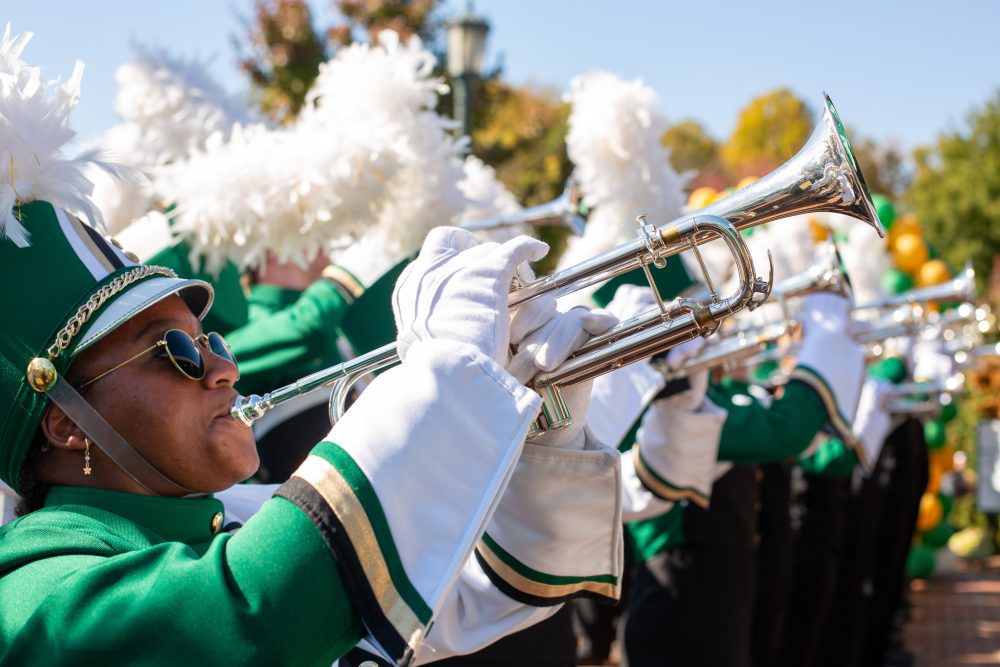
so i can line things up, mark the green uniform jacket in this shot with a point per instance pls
(289, 334)
(752, 433)
(103, 577)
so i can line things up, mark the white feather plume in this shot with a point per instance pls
(622, 168)
(34, 130)
(169, 108)
(389, 90)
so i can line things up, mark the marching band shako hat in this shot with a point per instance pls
(68, 289)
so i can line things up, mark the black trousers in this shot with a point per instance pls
(551, 642)
(899, 504)
(818, 553)
(774, 562)
(693, 604)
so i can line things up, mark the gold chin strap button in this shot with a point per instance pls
(41, 374)
(216, 522)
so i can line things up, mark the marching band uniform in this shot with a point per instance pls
(339, 551)
(697, 565)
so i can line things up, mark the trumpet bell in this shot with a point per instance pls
(823, 176)
(960, 288)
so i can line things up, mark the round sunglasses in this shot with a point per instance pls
(184, 352)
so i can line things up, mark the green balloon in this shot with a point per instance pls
(937, 536)
(948, 412)
(886, 211)
(895, 281)
(946, 503)
(934, 434)
(920, 562)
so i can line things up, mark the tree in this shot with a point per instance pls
(406, 17)
(884, 167)
(956, 191)
(769, 131)
(285, 54)
(692, 149)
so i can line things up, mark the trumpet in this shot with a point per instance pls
(729, 351)
(563, 211)
(960, 288)
(920, 398)
(823, 176)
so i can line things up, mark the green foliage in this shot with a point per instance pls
(956, 191)
(770, 130)
(693, 149)
(284, 58)
(364, 19)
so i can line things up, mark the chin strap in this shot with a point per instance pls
(108, 440)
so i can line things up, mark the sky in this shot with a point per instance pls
(897, 70)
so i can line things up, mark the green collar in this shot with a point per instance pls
(187, 520)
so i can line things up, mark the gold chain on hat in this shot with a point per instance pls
(41, 372)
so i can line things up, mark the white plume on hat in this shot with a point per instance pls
(169, 108)
(389, 89)
(34, 130)
(622, 168)
(275, 190)
(368, 155)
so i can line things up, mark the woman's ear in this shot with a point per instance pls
(60, 430)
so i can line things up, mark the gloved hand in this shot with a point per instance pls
(457, 289)
(689, 399)
(549, 346)
(631, 300)
(872, 421)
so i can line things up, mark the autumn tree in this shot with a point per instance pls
(285, 52)
(769, 131)
(693, 149)
(956, 191)
(883, 165)
(364, 19)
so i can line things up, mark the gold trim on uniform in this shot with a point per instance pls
(531, 587)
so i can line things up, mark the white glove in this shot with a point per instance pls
(830, 312)
(457, 290)
(631, 300)
(872, 422)
(548, 347)
(689, 399)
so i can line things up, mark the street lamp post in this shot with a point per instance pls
(466, 44)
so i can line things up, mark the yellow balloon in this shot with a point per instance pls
(934, 474)
(909, 252)
(701, 197)
(944, 458)
(904, 224)
(744, 182)
(930, 512)
(932, 272)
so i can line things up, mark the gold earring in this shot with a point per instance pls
(86, 457)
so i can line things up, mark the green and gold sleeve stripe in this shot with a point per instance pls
(337, 497)
(538, 589)
(837, 421)
(349, 286)
(660, 487)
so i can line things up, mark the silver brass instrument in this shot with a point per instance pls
(731, 350)
(922, 398)
(960, 288)
(563, 211)
(823, 176)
